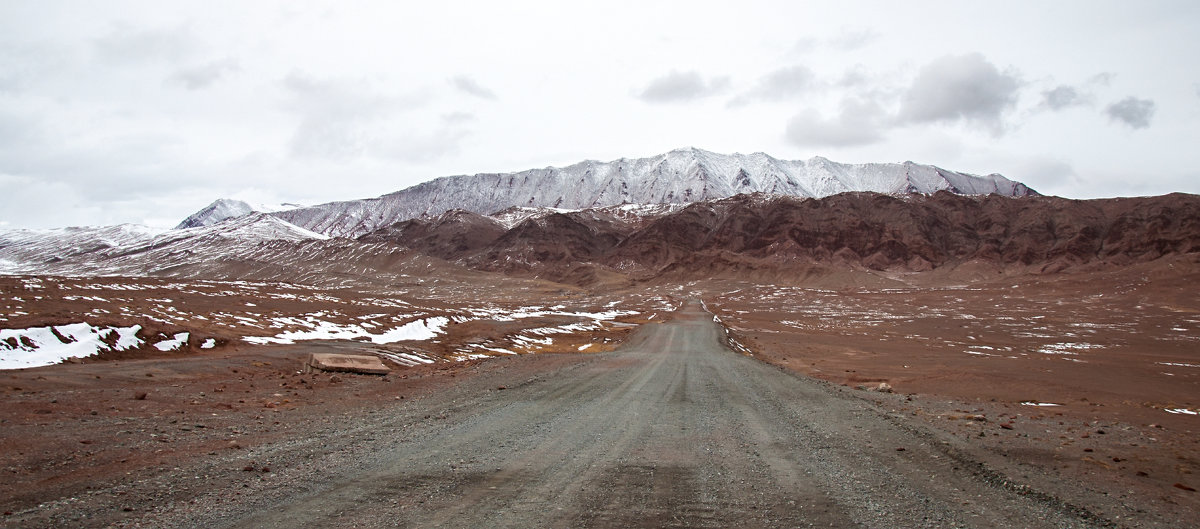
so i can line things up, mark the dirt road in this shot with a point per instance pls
(673, 430)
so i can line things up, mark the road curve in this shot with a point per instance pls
(673, 430)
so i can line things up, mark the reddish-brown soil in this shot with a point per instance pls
(1114, 347)
(1113, 351)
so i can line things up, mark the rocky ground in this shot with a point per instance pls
(115, 439)
(1095, 377)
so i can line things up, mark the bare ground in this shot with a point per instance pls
(672, 430)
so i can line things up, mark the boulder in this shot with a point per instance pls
(326, 362)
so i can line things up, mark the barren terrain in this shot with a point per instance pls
(673, 429)
(1040, 374)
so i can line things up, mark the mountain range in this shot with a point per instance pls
(681, 176)
(581, 225)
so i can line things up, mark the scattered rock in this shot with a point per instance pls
(1181, 486)
(141, 395)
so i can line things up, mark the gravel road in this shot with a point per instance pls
(672, 430)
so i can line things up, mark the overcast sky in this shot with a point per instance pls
(144, 112)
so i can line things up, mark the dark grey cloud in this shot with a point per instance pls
(1132, 111)
(203, 75)
(472, 87)
(859, 122)
(676, 86)
(781, 84)
(960, 88)
(1063, 96)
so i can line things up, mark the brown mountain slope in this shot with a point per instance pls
(775, 237)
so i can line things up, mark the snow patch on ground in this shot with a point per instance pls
(174, 343)
(422, 329)
(40, 346)
(1176, 364)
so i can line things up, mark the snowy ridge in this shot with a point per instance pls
(679, 177)
(128, 248)
(226, 208)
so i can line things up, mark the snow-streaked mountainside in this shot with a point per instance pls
(226, 208)
(104, 250)
(678, 177)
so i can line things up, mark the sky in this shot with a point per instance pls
(143, 112)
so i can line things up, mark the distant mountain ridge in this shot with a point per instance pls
(749, 236)
(227, 208)
(681, 176)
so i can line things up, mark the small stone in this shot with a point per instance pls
(141, 395)
(1181, 486)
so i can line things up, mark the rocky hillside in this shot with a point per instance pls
(786, 235)
(679, 177)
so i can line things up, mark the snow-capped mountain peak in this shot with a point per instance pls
(226, 208)
(680, 176)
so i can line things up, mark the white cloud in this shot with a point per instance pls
(784, 83)
(676, 86)
(857, 123)
(339, 117)
(961, 88)
(1063, 97)
(127, 43)
(203, 75)
(472, 87)
(146, 107)
(1131, 111)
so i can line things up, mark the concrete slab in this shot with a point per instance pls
(367, 364)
